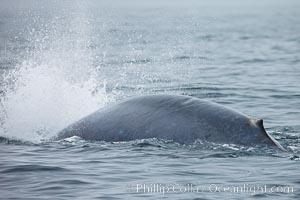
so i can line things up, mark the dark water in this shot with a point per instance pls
(61, 60)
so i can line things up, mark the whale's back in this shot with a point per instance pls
(175, 117)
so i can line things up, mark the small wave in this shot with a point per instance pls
(51, 188)
(295, 157)
(138, 61)
(69, 182)
(293, 149)
(206, 37)
(244, 37)
(145, 144)
(208, 149)
(13, 141)
(228, 150)
(72, 139)
(292, 96)
(185, 57)
(289, 137)
(227, 155)
(32, 168)
(215, 150)
(295, 61)
(254, 60)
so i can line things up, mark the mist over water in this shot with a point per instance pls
(62, 60)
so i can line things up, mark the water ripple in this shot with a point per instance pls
(33, 168)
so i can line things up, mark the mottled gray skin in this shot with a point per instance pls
(182, 119)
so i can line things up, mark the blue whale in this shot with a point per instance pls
(182, 119)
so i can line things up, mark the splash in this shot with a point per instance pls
(42, 102)
(55, 85)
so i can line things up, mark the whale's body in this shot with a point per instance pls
(182, 119)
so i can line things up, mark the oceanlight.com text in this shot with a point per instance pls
(159, 188)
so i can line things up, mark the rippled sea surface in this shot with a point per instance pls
(61, 60)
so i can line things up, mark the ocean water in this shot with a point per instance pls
(62, 60)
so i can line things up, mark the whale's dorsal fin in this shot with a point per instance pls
(260, 123)
(257, 122)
